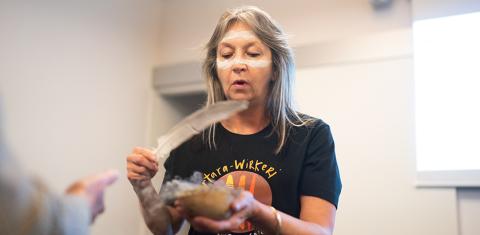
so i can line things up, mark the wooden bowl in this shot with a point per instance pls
(209, 201)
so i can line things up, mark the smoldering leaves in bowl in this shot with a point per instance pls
(212, 201)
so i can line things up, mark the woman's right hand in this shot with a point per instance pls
(141, 167)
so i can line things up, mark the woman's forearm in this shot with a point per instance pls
(265, 218)
(158, 220)
(155, 212)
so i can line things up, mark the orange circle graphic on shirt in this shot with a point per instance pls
(248, 181)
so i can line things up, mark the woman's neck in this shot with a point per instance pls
(249, 121)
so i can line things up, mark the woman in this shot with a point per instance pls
(284, 161)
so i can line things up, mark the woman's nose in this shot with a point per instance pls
(239, 66)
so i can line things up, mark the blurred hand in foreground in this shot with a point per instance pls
(92, 189)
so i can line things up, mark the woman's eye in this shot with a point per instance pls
(226, 56)
(253, 54)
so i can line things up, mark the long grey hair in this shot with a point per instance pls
(279, 102)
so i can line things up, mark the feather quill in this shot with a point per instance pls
(195, 123)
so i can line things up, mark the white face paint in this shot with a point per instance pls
(238, 35)
(228, 63)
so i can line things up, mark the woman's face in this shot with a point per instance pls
(244, 65)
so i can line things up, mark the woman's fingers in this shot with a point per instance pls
(135, 176)
(180, 209)
(206, 224)
(141, 165)
(146, 153)
(242, 208)
(242, 201)
(138, 170)
(141, 160)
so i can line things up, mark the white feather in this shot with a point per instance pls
(195, 123)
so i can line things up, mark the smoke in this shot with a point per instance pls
(154, 203)
(173, 189)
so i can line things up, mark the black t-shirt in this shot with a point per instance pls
(305, 166)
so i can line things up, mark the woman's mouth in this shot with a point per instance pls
(240, 83)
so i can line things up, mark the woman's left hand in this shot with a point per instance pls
(243, 207)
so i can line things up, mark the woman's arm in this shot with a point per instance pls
(317, 216)
(159, 218)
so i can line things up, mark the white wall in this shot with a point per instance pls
(369, 107)
(75, 86)
(469, 208)
(187, 25)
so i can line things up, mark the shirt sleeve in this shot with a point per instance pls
(320, 175)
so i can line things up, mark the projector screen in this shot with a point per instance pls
(447, 100)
